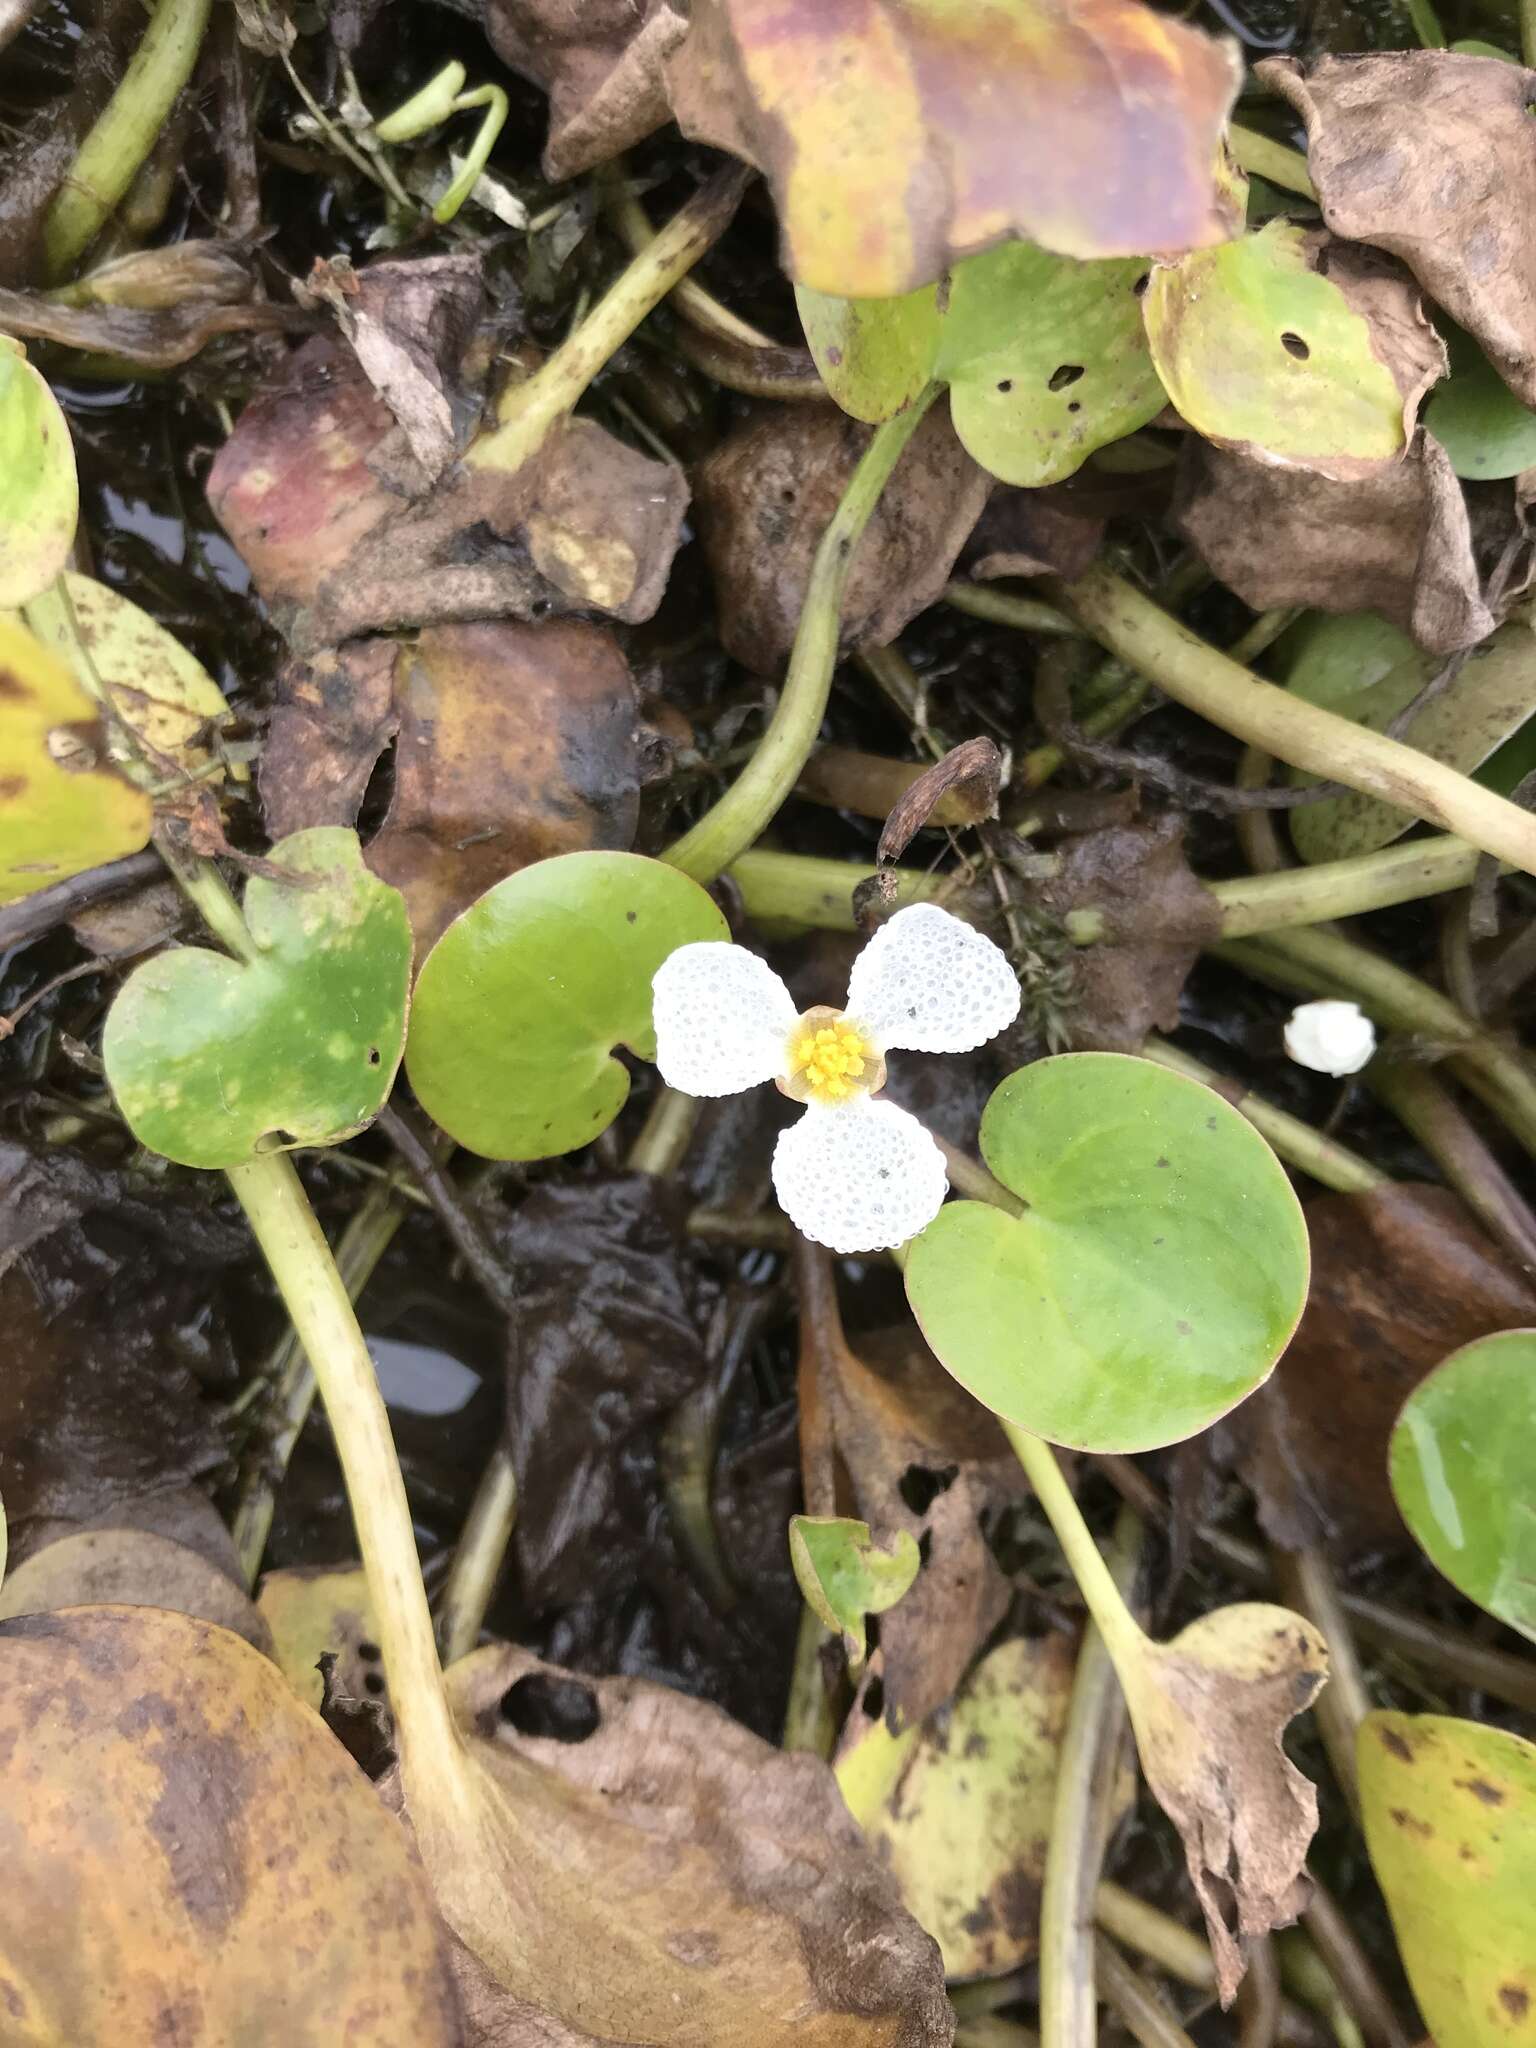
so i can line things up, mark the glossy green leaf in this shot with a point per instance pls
(39, 491)
(1487, 702)
(1463, 1465)
(874, 355)
(1046, 360)
(1450, 1820)
(1154, 1278)
(844, 1574)
(521, 1002)
(62, 807)
(1477, 419)
(213, 1060)
(154, 686)
(1260, 352)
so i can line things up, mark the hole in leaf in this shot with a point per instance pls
(561, 1709)
(920, 1487)
(1139, 287)
(1295, 346)
(925, 1546)
(1005, 384)
(369, 1652)
(1073, 405)
(873, 1701)
(1065, 374)
(373, 1682)
(374, 1055)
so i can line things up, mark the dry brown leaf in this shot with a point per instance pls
(969, 775)
(323, 1610)
(1427, 153)
(1055, 531)
(678, 1881)
(603, 522)
(150, 337)
(1209, 1710)
(601, 62)
(494, 2018)
(1157, 918)
(515, 743)
(191, 1857)
(1398, 543)
(131, 1568)
(335, 715)
(765, 495)
(1400, 1277)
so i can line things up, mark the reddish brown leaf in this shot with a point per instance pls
(969, 776)
(912, 114)
(600, 61)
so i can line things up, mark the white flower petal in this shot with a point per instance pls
(1330, 1037)
(861, 1177)
(927, 982)
(723, 1020)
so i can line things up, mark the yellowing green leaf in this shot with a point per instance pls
(845, 1575)
(1450, 1820)
(39, 491)
(874, 355)
(62, 809)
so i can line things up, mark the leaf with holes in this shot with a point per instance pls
(521, 1002)
(845, 1575)
(62, 808)
(1262, 353)
(157, 689)
(1462, 1456)
(1477, 419)
(213, 1060)
(1450, 1820)
(1152, 1281)
(39, 491)
(1485, 704)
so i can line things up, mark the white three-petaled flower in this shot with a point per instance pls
(854, 1174)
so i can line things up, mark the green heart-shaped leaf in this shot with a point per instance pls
(1046, 360)
(213, 1060)
(1258, 351)
(1450, 1820)
(844, 1574)
(1477, 419)
(39, 491)
(519, 1005)
(874, 355)
(1462, 1460)
(62, 808)
(1153, 1280)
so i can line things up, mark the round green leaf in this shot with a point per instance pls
(1487, 702)
(844, 1574)
(213, 1060)
(1450, 1820)
(1153, 1280)
(1463, 1465)
(874, 355)
(1259, 352)
(521, 1002)
(39, 491)
(1046, 360)
(1477, 419)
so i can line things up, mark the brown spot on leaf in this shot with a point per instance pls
(1480, 1788)
(1515, 2000)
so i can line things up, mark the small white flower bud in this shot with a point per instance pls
(1330, 1038)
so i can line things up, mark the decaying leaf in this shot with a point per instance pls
(131, 1568)
(1426, 153)
(1295, 350)
(335, 714)
(959, 1809)
(765, 495)
(151, 337)
(39, 490)
(602, 64)
(1398, 543)
(191, 1856)
(1401, 1276)
(1156, 919)
(969, 776)
(1050, 532)
(1209, 1710)
(676, 1880)
(912, 116)
(319, 1610)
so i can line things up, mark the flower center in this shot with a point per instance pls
(830, 1059)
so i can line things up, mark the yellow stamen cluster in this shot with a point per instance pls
(829, 1059)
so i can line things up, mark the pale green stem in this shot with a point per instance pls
(634, 227)
(1308, 1585)
(478, 1557)
(1167, 1942)
(1528, 30)
(124, 133)
(1262, 157)
(1420, 1100)
(1133, 2002)
(300, 1261)
(810, 1725)
(1007, 608)
(1324, 963)
(1200, 677)
(1298, 1144)
(731, 825)
(210, 896)
(664, 1136)
(1102, 1597)
(529, 410)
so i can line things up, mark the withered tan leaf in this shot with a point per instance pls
(602, 64)
(1427, 153)
(130, 1568)
(190, 1856)
(969, 775)
(313, 1610)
